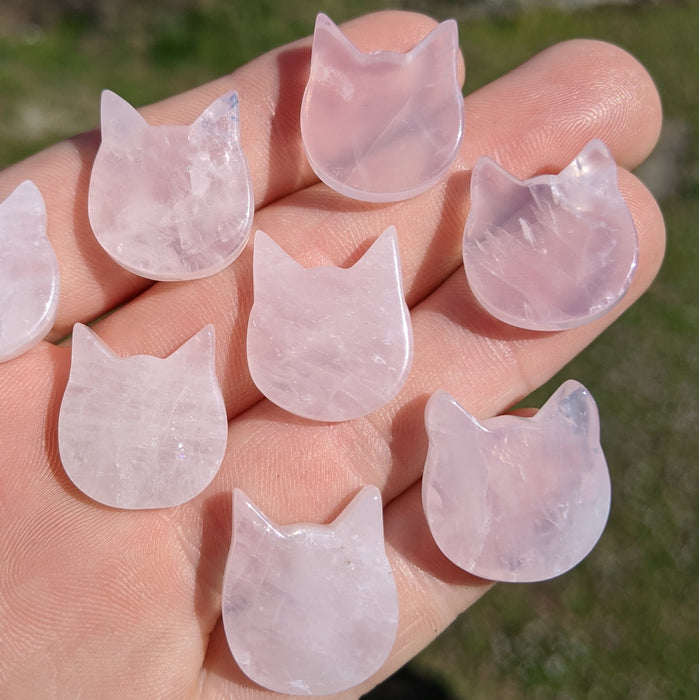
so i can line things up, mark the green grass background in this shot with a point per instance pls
(624, 623)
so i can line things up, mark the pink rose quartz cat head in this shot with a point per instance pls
(512, 498)
(171, 202)
(310, 609)
(29, 277)
(385, 126)
(554, 251)
(142, 432)
(329, 343)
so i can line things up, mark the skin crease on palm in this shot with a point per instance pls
(99, 602)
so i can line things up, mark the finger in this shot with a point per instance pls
(319, 226)
(589, 89)
(270, 90)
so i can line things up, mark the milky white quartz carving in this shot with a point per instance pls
(310, 609)
(384, 126)
(171, 202)
(29, 277)
(141, 431)
(554, 251)
(329, 343)
(512, 498)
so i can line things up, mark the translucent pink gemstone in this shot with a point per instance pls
(171, 202)
(385, 126)
(29, 277)
(141, 431)
(554, 251)
(329, 343)
(310, 609)
(512, 498)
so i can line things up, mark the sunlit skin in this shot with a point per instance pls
(126, 604)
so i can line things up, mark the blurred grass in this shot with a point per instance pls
(624, 623)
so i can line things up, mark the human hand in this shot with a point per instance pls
(111, 603)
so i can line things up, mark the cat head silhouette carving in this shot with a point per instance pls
(142, 432)
(171, 202)
(384, 126)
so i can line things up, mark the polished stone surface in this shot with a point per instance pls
(512, 498)
(310, 609)
(384, 126)
(141, 431)
(171, 202)
(329, 343)
(29, 277)
(552, 252)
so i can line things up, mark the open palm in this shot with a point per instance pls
(98, 602)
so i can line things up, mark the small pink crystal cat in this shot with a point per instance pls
(142, 432)
(29, 276)
(385, 126)
(310, 609)
(554, 251)
(171, 202)
(512, 498)
(328, 343)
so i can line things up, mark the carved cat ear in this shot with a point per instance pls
(25, 201)
(118, 119)
(362, 517)
(270, 261)
(199, 349)
(573, 407)
(88, 347)
(440, 46)
(381, 255)
(330, 45)
(29, 274)
(221, 117)
(247, 514)
(512, 498)
(489, 183)
(594, 162)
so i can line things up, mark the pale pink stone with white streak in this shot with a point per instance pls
(384, 126)
(554, 251)
(512, 498)
(171, 202)
(310, 609)
(29, 277)
(141, 431)
(329, 343)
